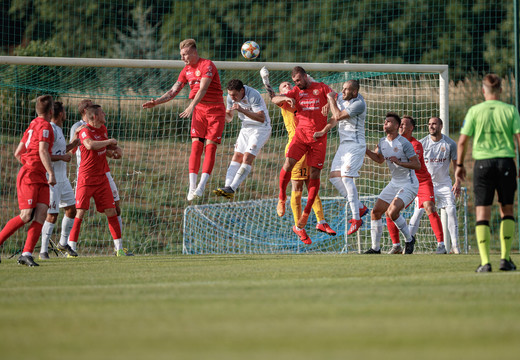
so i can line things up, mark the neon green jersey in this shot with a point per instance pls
(492, 124)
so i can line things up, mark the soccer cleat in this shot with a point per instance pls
(67, 250)
(396, 250)
(191, 195)
(226, 192)
(363, 211)
(27, 260)
(303, 220)
(123, 252)
(44, 256)
(264, 73)
(197, 194)
(324, 227)
(280, 208)
(507, 265)
(483, 268)
(355, 225)
(441, 249)
(372, 251)
(455, 249)
(409, 246)
(302, 234)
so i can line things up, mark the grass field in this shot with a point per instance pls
(259, 307)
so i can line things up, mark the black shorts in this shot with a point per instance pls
(492, 175)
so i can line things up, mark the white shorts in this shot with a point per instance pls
(252, 139)
(406, 192)
(443, 195)
(113, 187)
(61, 196)
(349, 158)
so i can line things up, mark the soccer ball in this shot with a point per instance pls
(250, 50)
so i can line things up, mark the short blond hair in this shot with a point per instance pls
(188, 43)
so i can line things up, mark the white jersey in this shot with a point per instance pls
(254, 102)
(352, 128)
(72, 132)
(403, 150)
(59, 148)
(437, 156)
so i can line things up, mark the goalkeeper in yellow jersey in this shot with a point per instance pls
(300, 172)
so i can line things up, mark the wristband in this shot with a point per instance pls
(460, 165)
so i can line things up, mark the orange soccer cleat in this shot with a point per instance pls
(326, 229)
(280, 208)
(355, 225)
(302, 234)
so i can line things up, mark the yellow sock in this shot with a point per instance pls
(296, 205)
(318, 209)
(507, 231)
(483, 239)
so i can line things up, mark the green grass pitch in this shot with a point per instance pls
(259, 307)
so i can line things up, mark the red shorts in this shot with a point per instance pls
(315, 150)
(101, 193)
(425, 192)
(208, 121)
(30, 194)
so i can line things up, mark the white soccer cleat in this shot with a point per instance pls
(455, 249)
(264, 73)
(191, 195)
(197, 194)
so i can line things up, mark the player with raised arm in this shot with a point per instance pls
(425, 196)
(402, 189)
(255, 131)
(349, 111)
(207, 107)
(300, 171)
(92, 179)
(32, 183)
(439, 152)
(61, 194)
(309, 98)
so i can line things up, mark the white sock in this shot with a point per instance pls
(376, 230)
(352, 196)
(203, 181)
(66, 227)
(47, 230)
(231, 172)
(193, 181)
(415, 220)
(26, 253)
(338, 184)
(118, 243)
(73, 245)
(240, 176)
(453, 224)
(400, 222)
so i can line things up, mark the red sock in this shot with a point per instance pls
(209, 158)
(285, 178)
(313, 188)
(33, 234)
(196, 152)
(393, 231)
(74, 233)
(435, 221)
(10, 228)
(115, 229)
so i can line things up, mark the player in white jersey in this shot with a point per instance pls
(439, 152)
(350, 111)
(402, 189)
(255, 131)
(61, 194)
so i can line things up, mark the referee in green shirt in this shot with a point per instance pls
(494, 125)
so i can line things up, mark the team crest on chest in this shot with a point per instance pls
(443, 149)
(396, 149)
(197, 73)
(316, 92)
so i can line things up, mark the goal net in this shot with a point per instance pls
(152, 177)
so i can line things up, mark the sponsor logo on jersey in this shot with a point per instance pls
(193, 131)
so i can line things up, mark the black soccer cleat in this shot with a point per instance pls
(409, 246)
(507, 265)
(372, 251)
(27, 260)
(67, 250)
(484, 268)
(226, 192)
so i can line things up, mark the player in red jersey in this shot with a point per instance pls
(92, 179)
(425, 196)
(309, 98)
(206, 109)
(32, 185)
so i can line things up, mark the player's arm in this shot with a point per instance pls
(229, 115)
(412, 163)
(330, 124)
(169, 95)
(517, 136)
(20, 150)
(332, 101)
(116, 153)
(65, 157)
(203, 89)
(455, 189)
(257, 116)
(90, 144)
(462, 147)
(375, 155)
(281, 99)
(45, 157)
(73, 144)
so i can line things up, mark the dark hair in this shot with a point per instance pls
(92, 111)
(298, 70)
(235, 84)
(83, 104)
(355, 83)
(412, 121)
(438, 118)
(58, 109)
(493, 82)
(44, 104)
(394, 116)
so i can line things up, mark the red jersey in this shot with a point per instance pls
(39, 130)
(193, 74)
(92, 169)
(309, 103)
(422, 174)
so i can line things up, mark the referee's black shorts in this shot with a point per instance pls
(492, 175)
